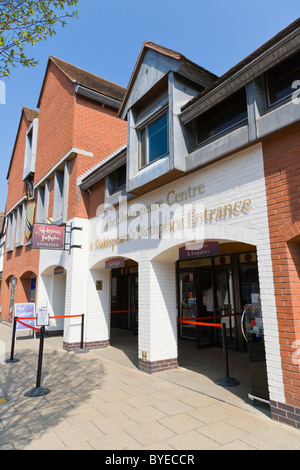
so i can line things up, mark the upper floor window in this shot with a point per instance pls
(30, 150)
(281, 77)
(116, 180)
(230, 112)
(154, 140)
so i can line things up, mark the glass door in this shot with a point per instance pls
(225, 304)
(187, 302)
(133, 301)
(206, 335)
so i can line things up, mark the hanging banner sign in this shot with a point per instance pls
(48, 237)
(115, 263)
(25, 311)
(208, 249)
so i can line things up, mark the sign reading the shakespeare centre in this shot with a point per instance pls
(48, 237)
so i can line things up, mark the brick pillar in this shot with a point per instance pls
(157, 316)
(282, 167)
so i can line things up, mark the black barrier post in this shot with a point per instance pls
(226, 381)
(39, 391)
(81, 350)
(11, 359)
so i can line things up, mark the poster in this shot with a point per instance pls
(25, 311)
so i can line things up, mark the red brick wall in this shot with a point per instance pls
(16, 186)
(19, 263)
(98, 129)
(55, 133)
(282, 171)
(96, 198)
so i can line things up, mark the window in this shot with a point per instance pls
(11, 231)
(154, 140)
(116, 180)
(30, 150)
(223, 116)
(281, 77)
(60, 196)
(19, 239)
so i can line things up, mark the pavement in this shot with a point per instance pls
(101, 401)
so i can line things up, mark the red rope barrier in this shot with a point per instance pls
(219, 325)
(28, 326)
(62, 316)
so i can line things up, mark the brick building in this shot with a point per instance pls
(188, 214)
(75, 126)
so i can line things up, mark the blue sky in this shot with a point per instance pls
(108, 35)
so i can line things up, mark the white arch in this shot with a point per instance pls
(168, 249)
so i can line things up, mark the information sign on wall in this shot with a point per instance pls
(48, 237)
(208, 249)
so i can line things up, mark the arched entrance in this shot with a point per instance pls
(29, 286)
(113, 304)
(52, 292)
(213, 283)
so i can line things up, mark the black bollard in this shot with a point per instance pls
(226, 381)
(12, 351)
(39, 391)
(81, 350)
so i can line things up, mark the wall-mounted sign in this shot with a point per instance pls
(208, 249)
(115, 263)
(99, 285)
(48, 237)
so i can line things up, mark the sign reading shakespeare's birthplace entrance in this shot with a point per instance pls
(48, 237)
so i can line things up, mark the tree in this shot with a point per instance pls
(27, 22)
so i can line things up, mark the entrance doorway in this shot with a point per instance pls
(214, 290)
(124, 298)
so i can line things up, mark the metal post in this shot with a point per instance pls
(39, 391)
(11, 360)
(226, 381)
(81, 350)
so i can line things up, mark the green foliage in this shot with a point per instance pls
(27, 22)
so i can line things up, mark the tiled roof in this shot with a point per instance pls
(89, 80)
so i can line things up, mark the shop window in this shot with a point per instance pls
(154, 139)
(224, 116)
(281, 77)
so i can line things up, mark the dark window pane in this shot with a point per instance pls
(222, 116)
(158, 138)
(281, 77)
(117, 179)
